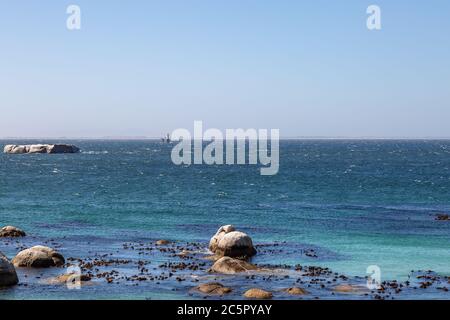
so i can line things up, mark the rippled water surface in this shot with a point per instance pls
(355, 203)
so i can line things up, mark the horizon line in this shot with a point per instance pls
(281, 138)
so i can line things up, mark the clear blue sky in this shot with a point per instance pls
(144, 68)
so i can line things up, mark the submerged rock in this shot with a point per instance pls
(256, 293)
(38, 257)
(442, 217)
(68, 278)
(296, 291)
(162, 242)
(348, 288)
(8, 275)
(213, 288)
(41, 148)
(231, 243)
(229, 265)
(11, 232)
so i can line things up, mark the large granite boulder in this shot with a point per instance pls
(8, 275)
(219, 235)
(41, 148)
(229, 242)
(227, 265)
(38, 257)
(11, 232)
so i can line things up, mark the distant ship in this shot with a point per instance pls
(166, 139)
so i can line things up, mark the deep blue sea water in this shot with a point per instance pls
(356, 202)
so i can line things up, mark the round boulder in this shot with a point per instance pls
(38, 257)
(12, 232)
(8, 275)
(227, 265)
(231, 243)
(256, 293)
(219, 235)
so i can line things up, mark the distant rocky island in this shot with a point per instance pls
(40, 148)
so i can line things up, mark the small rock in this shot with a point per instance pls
(38, 257)
(442, 217)
(348, 288)
(162, 242)
(69, 277)
(213, 288)
(296, 291)
(257, 294)
(10, 231)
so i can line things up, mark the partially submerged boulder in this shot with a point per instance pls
(40, 148)
(11, 232)
(227, 265)
(348, 288)
(68, 278)
(213, 288)
(256, 293)
(8, 275)
(229, 242)
(296, 291)
(38, 257)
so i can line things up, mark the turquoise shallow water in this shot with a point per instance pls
(357, 203)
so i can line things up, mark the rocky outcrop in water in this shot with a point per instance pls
(227, 265)
(8, 275)
(11, 232)
(38, 257)
(40, 148)
(229, 242)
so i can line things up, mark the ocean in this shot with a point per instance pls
(353, 203)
